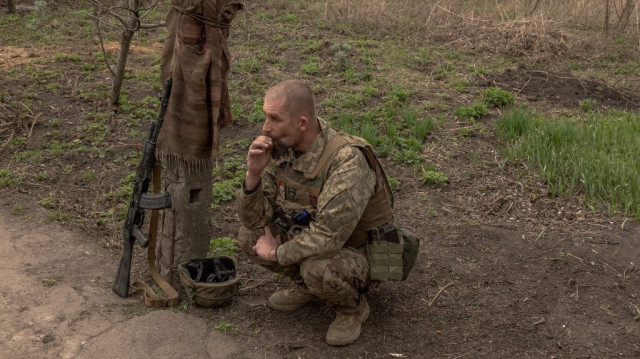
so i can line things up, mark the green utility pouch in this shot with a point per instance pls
(393, 254)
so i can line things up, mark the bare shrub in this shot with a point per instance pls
(420, 16)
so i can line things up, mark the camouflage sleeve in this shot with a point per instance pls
(343, 199)
(255, 209)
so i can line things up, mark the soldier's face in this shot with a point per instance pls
(279, 125)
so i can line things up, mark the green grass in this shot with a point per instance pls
(472, 112)
(434, 177)
(88, 175)
(228, 175)
(58, 215)
(17, 208)
(225, 191)
(311, 67)
(42, 176)
(495, 97)
(47, 203)
(9, 178)
(251, 65)
(223, 246)
(587, 105)
(422, 128)
(224, 327)
(595, 156)
(370, 132)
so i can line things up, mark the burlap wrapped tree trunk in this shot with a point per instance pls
(195, 55)
(185, 230)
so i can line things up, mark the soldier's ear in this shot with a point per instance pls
(304, 123)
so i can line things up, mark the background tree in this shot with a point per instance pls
(621, 17)
(11, 6)
(129, 18)
(623, 20)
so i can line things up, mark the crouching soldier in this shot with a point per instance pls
(310, 201)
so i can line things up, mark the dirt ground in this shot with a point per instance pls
(58, 303)
(504, 270)
(497, 277)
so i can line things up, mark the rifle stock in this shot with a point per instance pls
(140, 201)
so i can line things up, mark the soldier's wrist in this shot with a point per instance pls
(250, 185)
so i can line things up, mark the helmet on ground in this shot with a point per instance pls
(210, 281)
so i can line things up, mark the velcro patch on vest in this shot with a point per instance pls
(291, 194)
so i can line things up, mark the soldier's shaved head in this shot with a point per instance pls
(298, 99)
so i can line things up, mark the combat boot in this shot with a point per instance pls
(290, 299)
(345, 329)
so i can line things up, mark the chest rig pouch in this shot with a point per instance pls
(296, 201)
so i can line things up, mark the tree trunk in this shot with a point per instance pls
(606, 17)
(130, 27)
(11, 6)
(185, 229)
(125, 42)
(623, 21)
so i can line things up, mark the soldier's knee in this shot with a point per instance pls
(313, 273)
(247, 238)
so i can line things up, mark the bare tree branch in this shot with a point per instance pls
(148, 10)
(111, 11)
(125, 20)
(130, 22)
(104, 52)
(151, 26)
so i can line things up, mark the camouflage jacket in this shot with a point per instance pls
(335, 212)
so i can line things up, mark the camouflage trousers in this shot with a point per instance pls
(338, 280)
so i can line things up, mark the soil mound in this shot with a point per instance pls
(561, 89)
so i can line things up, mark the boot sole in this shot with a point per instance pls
(342, 342)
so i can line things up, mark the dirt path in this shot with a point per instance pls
(57, 303)
(501, 290)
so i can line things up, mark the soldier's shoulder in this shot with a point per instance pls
(350, 155)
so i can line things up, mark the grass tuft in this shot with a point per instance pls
(595, 156)
(223, 246)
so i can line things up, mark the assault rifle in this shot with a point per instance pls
(141, 200)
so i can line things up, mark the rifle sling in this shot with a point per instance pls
(151, 299)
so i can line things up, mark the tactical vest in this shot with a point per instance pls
(298, 192)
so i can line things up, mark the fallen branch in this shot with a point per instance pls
(27, 107)
(440, 291)
(576, 257)
(104, 52)
(262, 282)
(32, 126)
(8, 140)
(602, 242)
(540, 321)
